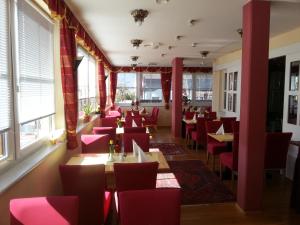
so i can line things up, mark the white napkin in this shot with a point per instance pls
(142, 156)
(133, 123)
(132, 114)
(221, 130)
(195, 116)
(135, 148)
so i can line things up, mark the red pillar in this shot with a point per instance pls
(256, 23)
(177, 68)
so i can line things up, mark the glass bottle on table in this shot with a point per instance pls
(111, 151)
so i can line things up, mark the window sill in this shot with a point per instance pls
(82, 125)
(16, 170)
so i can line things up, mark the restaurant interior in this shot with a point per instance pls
(160, 112)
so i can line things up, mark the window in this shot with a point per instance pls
(126, 87)
(151, 90)
(28, 51)
(196, 88)
(87, 82)
(230, 91)
(107, 84)
(5, 78)
(187, 86)
(35, 74)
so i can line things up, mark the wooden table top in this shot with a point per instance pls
(227, 137)
(94, 159)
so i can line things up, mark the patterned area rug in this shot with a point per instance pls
(199, 184)
(169, 148)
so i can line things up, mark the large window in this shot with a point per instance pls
(230, 91)
(26, 117)
(87, 82)
(150, 88)
(197, 88)
(35, 74)
(107, 84)
(126, 87)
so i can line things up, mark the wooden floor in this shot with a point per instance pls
(275, 211)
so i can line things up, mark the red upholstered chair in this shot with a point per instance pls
(189, 115)
(60, 210)
(109, 122)
(91, 143)
(88, 183)
(142, 139)
(111, 131)
(210, 115)
(137, 119)
(152, 119)
(156, 207)
(213, 146)
(277, 145)
(136, 112)
(230, 159)
(129, 113)
(114, 113)
(135, 176)
(134, 129)
(189, 127)
(199, 135)
(227, 123)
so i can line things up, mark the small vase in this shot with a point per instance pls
(86, 118)
(111, 157)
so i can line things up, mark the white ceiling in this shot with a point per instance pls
(112, 27)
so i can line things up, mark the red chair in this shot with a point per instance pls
(142, 139)
(109, 122)
(135, 112)
(111, 131)
(137, 119)
(227, 123)
(277, 145)
(155, 206)
(189, 115)
(210, 115)
(134, 129)
(88, 183)
(199, 135)
(189, 127)
(152, 120)
(114, 113)
(91, 143)
(213, 146)
(230, 159)
(60, 210)
(135, 176)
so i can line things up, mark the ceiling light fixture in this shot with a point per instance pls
(134, 58)
(192, 22)
(170, 47)
(163, 54)
(136, 43)
(204, 54)
(133, 65)
(240, 32)
(139, 15)
(194, 44)
(162, 1)
(179, 37)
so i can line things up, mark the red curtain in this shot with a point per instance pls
(69, 81)
(113, 86)
(166, 87)
(102, 88)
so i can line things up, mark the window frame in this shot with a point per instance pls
(227, 91)
(140, 81)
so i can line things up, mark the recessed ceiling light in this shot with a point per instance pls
(194, 44)
(179, 37)
(162, 1)
(204, 54)
(163, 54)
(170, 47)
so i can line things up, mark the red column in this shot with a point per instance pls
(256, 23)
(177, 68)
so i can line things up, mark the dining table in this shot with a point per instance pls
(226, 137)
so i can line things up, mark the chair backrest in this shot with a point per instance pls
(111, 131)
(109, 122)
(134, 129)
(95, 143)
(189, 115)
(227, 123)
(201, 130)
(156, 206)
(142, 139)
(58, 210)
(135, 176)
(88, 183)
(137, 119)
(155, 114)
(235, 144)
(212, 127)
(136, 112)
(277, 145)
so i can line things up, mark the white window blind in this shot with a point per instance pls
(92, 77)
(5, 81)
(35, 64)
(82, 73)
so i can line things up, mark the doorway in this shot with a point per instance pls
(275, 94)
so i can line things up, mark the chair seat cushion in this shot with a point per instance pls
(226, 159)
(194, 135)
(107, 203)
(216, 148)
(189, 128)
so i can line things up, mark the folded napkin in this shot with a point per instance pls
(141, 156)
(221, 130)
(133, 123)
(135, 148)
(195, 116)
